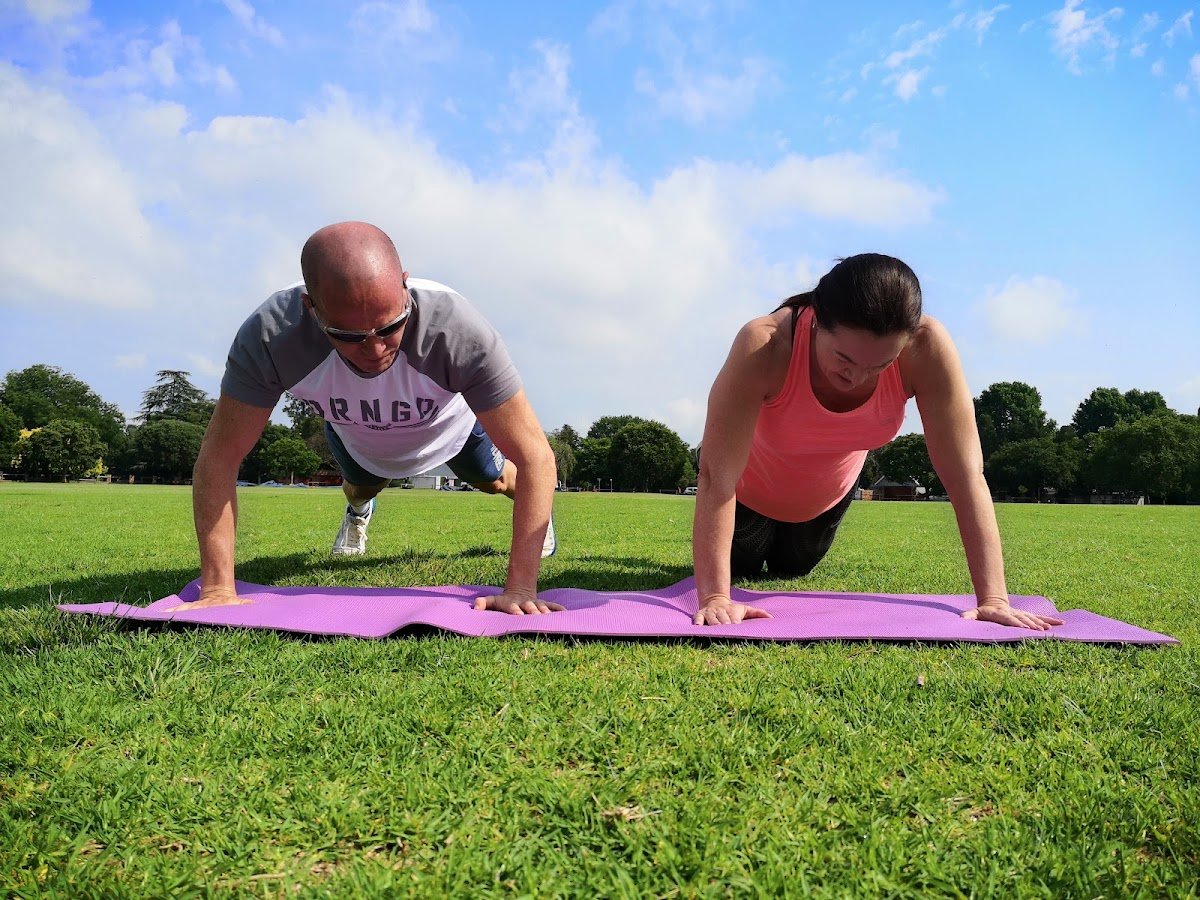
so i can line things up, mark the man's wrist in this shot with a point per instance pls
(992, 600)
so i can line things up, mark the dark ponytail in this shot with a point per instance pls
(870, 292)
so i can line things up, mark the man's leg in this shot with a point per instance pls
(481, 465)
(360, 487)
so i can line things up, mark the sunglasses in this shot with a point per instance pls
(383, 332)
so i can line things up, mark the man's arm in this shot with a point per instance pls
(234, 429)
(951, 436)
(514, 429)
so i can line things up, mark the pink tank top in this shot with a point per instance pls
(804, 458)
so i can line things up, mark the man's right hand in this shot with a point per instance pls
(213, 597)
(723, 611)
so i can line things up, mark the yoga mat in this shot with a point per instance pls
(665, 612)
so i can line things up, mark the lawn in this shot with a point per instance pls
(149, 762)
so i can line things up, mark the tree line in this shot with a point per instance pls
(54, 426)
(1116, 443)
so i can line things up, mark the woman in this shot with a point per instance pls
(805, 392)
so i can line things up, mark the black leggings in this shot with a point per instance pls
(789, 549)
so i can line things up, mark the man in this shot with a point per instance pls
(406, 375)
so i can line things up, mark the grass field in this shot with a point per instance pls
(153, 762)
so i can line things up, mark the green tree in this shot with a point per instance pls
(175, 397)
(606, 427)
(591, 463)
(907, 457)
(61, 449)
(1010, 411)
(1033, 465)
(687, 477)
(1103, 408)
(1107, 407)
(167, 448)
(568, 436)
(306, 422)
(647, 455)
(564, 457)
(289, 458)
(1155, 456)
(253, 468)
(40, 394)
(1146, 403)
(10, 432)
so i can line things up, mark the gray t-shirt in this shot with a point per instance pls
(406, 420)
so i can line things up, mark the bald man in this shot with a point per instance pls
(407, 376)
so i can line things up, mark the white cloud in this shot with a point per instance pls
(907, 84)
(1138, 50)
(205, 366)
(388, 23)
(159, 64)
(1147, 23)
(1075, 33)
(47, 11)
(74, 232)
(1159, 68)
(699, 97)
(1194, 68)
(254, 23)
(848, 95)
(1181, 27)
(541, 95)
(921, 47)
(983, 20)
(1033, 310)
(131, 361)
(1181, 92)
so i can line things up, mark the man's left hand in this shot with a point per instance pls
(1002, 613)
(517, 604)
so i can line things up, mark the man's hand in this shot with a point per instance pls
(999, 611)
(517, 604)
(210, 597)
(723, 611)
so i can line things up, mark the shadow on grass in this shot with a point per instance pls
(603, 573)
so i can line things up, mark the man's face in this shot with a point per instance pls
(365, 322)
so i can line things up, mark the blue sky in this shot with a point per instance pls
(617, 186)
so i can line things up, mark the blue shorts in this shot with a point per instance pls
(478, 462)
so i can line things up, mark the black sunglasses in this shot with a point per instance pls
(383, 332)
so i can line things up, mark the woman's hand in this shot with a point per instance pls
(723, 611)
(1000, 611)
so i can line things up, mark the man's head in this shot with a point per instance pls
(354, 282)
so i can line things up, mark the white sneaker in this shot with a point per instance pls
(352, 538)
(549, 545)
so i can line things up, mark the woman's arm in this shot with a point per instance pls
(934, 373)
(733, 403)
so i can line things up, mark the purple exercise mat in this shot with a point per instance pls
(666, 612)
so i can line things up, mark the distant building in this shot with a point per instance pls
(435, 478)
(887, 489)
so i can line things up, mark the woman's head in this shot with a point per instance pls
(868, 292)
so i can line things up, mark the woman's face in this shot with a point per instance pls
(848, 358)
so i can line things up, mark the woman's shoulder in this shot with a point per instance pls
(930, 337)
(767, 333)
(763, 348)
(930, 354)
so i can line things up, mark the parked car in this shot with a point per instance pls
(690, 490)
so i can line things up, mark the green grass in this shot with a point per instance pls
(150, 762)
